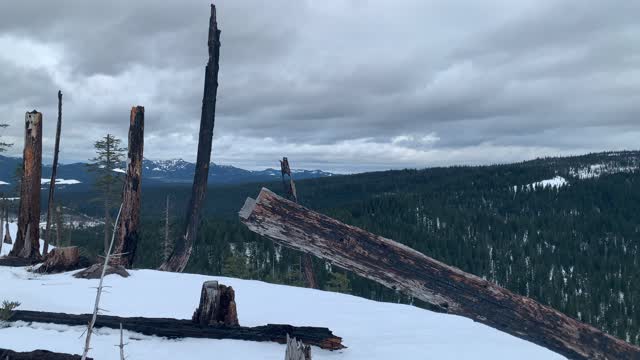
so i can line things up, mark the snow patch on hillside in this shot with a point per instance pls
(556, 183)
(597, 170)
(61, 181)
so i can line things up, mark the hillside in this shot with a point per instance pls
(371, 330)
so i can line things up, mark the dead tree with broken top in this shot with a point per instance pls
(127, 227)
(27, 244)
(184, 245)
(292, 194)
(445, 287)
(52, 184)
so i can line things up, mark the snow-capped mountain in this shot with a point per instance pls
(158, 172)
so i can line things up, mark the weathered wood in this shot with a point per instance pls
(448, 288)
(290, 190)
(127, 228)
(7, 233)
(27, 243)
(296, 350)
(52, 183)
(217, 305)
(60, 260)
(184, 245)
(16, 261)
(95, 272)
(175, 328)
(36, 355)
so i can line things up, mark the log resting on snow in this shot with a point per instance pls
(36, 354)
(448, 288)
(176, 328)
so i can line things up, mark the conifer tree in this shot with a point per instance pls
(109, 156)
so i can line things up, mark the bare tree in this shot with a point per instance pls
(292, 194)
(184, 245)
(96, 306)
(167, 246)
(52, 184)
(127, 227)
(27, 243)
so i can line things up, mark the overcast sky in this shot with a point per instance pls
(333, 84)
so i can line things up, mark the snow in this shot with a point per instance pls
(61, 181)
(596, 170)
(371, 330)
(556, 183)
(4, 183)
(119, 171)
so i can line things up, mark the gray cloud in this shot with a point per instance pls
(342, 85)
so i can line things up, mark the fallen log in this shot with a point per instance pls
(176, 328)
(15, 261)
(448, 288)
(37, 354)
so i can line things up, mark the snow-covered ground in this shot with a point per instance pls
(371, 330)
(61, 181)
(556, 182)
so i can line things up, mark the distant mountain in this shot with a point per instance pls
(157, 172)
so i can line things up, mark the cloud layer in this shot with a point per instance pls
(349, 85)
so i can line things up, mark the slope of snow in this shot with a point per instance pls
(557, 182)
(596, 170)
(61, 181)
(371, 330)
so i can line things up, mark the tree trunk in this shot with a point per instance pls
(61, 259)
(184, 245)
(127, 229)
(107, 221)
(2, 210)
(7, 233)
(448, 288)
(290, 190)
(27, 243)
(183, 328)
(217, 305)
(166, 246)
(59, 227)
(296, 350)
(52, 184)
(37, 354)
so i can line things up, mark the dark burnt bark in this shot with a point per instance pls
(52, 184)
(184, 245)
(127, 229)
(37, 355)
(292, 194)
(7, 234)
(217, 305)
(445, 287)
(175, 329)
(27, 244)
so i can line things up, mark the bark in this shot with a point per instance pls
(61, 259)
(7, 233)
(59, 227)
(290, 190)
(217, 305)
(184, 245)
(95, 271)
(127, 229)
(52, 184)
(448, 288)
(176, 329)
(27, 243)
(2, 210)
(296, 350)
(36, 355)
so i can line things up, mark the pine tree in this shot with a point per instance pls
(109, 156)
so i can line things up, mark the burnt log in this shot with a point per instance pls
(16, 261)
(183, 246)
(127, 228)
(52, 183)
(177, 329)
(448, 288)
(217, 305)
(60, 260)
(27, 244)
(95, 271)
(36, 355)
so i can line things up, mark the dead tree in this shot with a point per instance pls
(127, 228)
(52, 184)
(217, 305)
(59, 226)
(2, 210)
(445, 287)
(184, 245)
(27, 243)
(7, 233)
(166, 246)
(296, 350)
(290, 190)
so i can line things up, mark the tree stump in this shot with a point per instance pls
(217, 305)
(60, 260)
(296, 350)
